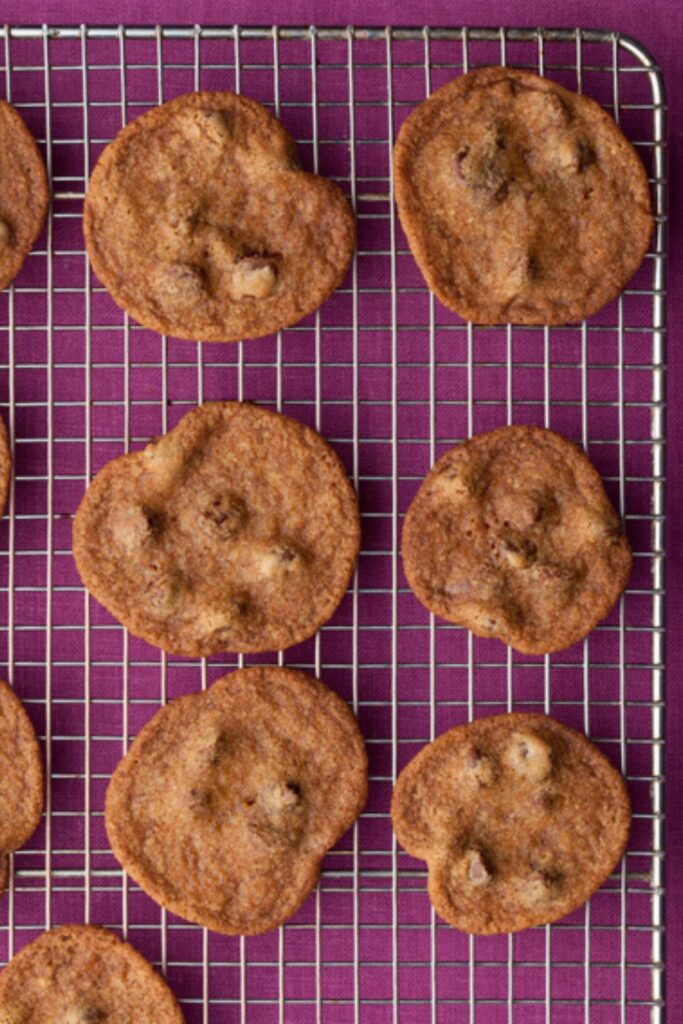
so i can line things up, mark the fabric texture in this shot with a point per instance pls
(659, 26)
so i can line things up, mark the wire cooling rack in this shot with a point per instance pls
(392, 379)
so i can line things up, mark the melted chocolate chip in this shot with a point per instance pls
(586, 155)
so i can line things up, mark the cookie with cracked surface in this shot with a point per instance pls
(228, 800)
(81, 974)
(24, 193)
(201, 223)
(5, 465)
(513, 536)
(519, 818)
(237, 531)
(522, 202)
(21, 778)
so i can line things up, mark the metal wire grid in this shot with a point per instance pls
(391, 379)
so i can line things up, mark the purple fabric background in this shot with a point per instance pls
(659, 26)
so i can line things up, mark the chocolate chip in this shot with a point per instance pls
(478, 873)
(586, 155)
(228, 513)
(92, 1015)
(520, 552)
(459, 157)
(501, 192)
(5, 234)
(156, 520)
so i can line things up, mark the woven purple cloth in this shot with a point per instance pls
(320, 970)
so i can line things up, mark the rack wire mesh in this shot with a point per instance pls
(392, 379)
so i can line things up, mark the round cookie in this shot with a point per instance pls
(5, 466)
(24, 193)
(21, 778)
(228, 800)
(522, 202)
(201, 223)
(519, 818)
(512, 535)
(80, 974)
(237, 531)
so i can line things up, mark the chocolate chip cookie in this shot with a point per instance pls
(79, 974)
(24, 193)
(513, 536)
(237, 531)
(522, 202)
(201, 223)
(5, 465)
(21, 778)
(228, 800)
(519, 818)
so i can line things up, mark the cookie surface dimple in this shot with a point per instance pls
(21, 778)
(530, 845)
(522, 202)
(228, 800)
(238, 530)
(24, 194)
(201, 224)
(513, 536)
(80, 974)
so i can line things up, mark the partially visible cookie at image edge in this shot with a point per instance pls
(21, 778)
(519, 818)
(5, 466)
(24, 193)
(201, 223)
(522, 202)
(82, 974)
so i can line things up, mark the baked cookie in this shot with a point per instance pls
(228, 800)
(21, 779)
(201, 223)
(519, 818)
(522, 202)
(237, 531)
(512, 535)
(5, 465)
(80, 974)
(24, 193)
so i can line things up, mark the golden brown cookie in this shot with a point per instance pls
(80, 974)
(24, 193)
(513, 536)
(237, 531)
(5, 465)
(201, 223)
(519, 818)
(228, 800)
(521, 201)
(21, 778)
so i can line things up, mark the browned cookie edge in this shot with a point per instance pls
(5, 466)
